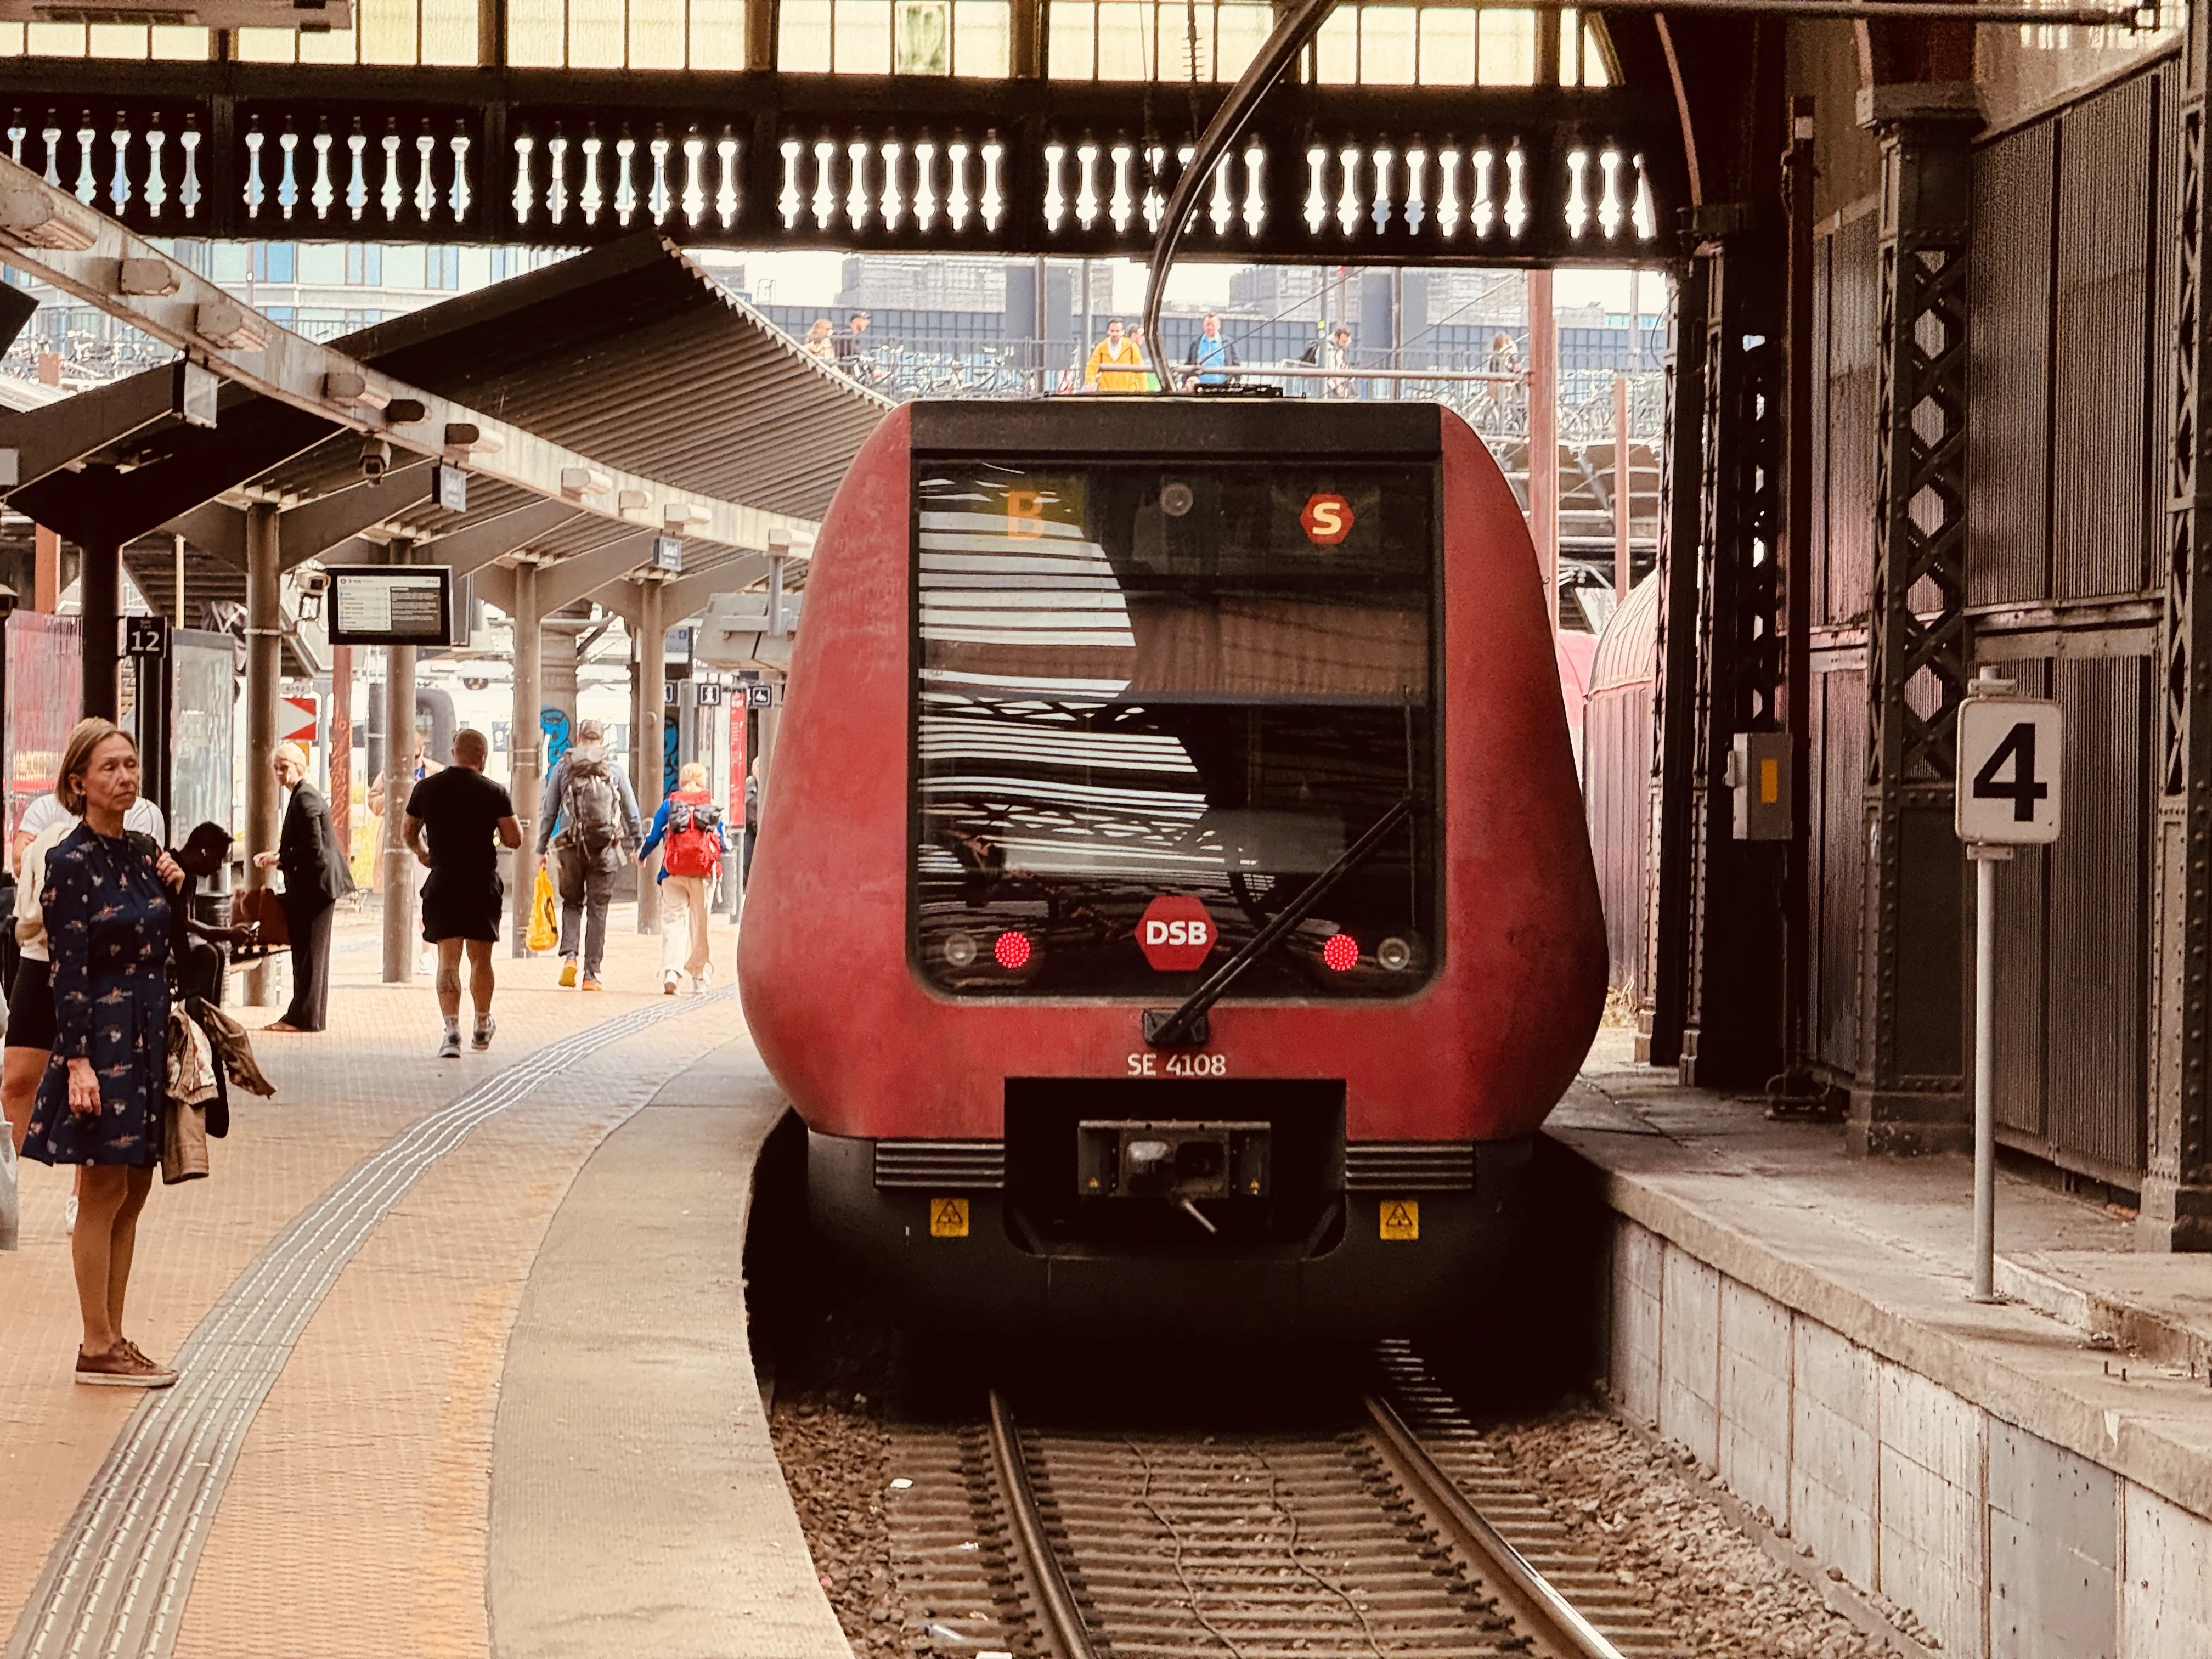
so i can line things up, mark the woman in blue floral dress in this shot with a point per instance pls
(100, 1102)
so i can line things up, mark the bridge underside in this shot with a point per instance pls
(1490, 175)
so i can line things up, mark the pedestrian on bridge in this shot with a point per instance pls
(589, 815)
(468, 819)
(1115, 363)
(106, 914)
(1210, 353)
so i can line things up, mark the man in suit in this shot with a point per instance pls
(315, 878)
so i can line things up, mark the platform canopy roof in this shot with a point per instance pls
(596, 403)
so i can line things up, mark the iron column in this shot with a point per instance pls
(100, 602)
(648, 745)
(399, 947)
(264, 644)
(525, 744)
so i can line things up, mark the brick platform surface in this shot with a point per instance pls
(355, 1521)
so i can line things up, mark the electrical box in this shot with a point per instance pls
(1759, 772)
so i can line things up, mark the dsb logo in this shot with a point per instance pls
(1176, 933)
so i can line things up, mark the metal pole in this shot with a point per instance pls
(1624, 479)
(100, 602)
(1544, 437)
(1798, 174)
(1986, 860)
(178, 549)
(263, 662)
(399, 946)
(1038, 320)
(647, 751)
(526, 745)
(339, 747)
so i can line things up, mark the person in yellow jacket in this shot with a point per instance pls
(1117, 365)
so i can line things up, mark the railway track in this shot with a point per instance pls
(1389, 1531)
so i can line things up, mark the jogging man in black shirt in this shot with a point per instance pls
(469, 818)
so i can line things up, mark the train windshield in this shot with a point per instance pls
(1156, 703)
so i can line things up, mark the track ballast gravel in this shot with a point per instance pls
(1634, 1504)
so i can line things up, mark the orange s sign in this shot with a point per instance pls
(1025, 513)
(1327, 519)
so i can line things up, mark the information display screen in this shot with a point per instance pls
(391, 604)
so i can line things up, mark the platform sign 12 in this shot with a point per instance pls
(2008, 792)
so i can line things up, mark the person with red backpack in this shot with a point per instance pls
(689, 828)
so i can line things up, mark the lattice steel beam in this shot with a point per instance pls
(1733, 940)
(2177, 1193)
(1906, 1096)
(1663, 1017)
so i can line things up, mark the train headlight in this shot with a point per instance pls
(1395, 954)
(959, 949)
(1176, 499)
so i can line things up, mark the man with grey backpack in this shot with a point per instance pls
(590, 818)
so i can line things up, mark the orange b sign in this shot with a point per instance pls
(1025, 513)
(1326, 518)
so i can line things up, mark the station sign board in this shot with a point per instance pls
(391, 604)
(144, 636)
(2010, 793)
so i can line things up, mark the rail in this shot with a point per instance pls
(1540, 1610)
(1068, 1636)
(1507, 1603)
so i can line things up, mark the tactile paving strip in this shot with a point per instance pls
(117, 1581)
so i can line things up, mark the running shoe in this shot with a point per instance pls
(568, 973)
(668, 982)
(122, 1367)
(449, 1046)
(702, 981)
(590, 984)
(481, 1038)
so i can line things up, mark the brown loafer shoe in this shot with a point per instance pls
(122, 1367)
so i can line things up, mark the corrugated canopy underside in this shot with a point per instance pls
(630, 355)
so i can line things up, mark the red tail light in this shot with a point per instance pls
(1012, 949)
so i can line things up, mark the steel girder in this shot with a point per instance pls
(1664, 994)
(1733, 945)
(2177, 1192)
(1907, 1093)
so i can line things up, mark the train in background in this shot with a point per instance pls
(1172, 912)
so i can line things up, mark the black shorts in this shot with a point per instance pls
(461, 907)
(31, 1006)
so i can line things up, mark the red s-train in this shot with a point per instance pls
(1172, 908)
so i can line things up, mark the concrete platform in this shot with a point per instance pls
(384, 1307)
(2028, 1478)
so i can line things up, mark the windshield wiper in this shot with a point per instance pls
(1185, 1026)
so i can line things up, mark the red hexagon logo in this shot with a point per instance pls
(1327, 519)
(1176, 933)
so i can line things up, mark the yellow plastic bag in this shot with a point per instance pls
(544, 919)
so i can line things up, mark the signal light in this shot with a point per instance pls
(1395, 954)
(1341, 952)
(959, 950)
(1012, 949)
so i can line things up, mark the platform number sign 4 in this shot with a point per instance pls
(2008, 790)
